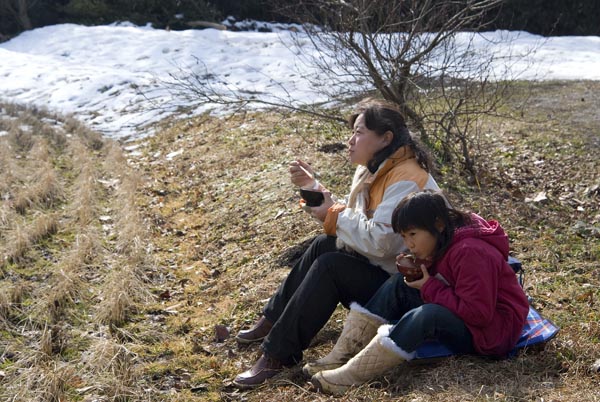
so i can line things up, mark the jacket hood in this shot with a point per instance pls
(489, 231)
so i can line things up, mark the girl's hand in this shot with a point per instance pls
(302, 174)
(320, 212)
(418, 284)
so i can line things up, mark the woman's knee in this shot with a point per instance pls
(320, 245)
(327, 263)
(323, 241)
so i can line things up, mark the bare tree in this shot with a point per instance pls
(418, 54)
(408, 51)
(197, 85)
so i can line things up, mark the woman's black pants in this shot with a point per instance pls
(304, 302)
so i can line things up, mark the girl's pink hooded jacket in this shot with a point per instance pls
(474, 281)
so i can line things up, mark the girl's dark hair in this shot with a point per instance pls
(428, 210)
(381, 117)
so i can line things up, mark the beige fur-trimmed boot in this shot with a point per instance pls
(380, 355)
(359, 328)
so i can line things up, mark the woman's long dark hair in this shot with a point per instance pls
(381, 117)
(428, 210)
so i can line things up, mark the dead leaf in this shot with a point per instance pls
(539, 197)
(221, 333)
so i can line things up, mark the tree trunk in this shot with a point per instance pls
(23, 16)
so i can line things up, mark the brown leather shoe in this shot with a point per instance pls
(257, 333)
(264, 368)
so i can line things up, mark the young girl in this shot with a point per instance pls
(471, 299)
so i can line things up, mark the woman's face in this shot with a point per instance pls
(364, 143)
(421, 242)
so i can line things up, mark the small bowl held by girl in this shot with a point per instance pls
(410, 266)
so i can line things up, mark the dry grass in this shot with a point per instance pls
(122, 276)
(85, 202)
(7, 167)
(47, 381)
(5, 304)
(119, 297)
(22, 140)
(131, 230)
(58, 257)
(40, 151)
(116, 368)
(43, 226)
(65, 291)
(92, 139)
(17, 245)
(20, 239)
(86, 250)
(6, 218)
(43, 190)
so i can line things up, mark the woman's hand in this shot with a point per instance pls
(302, 174)
(418, 284)
(320, 212)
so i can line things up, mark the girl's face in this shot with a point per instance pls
(365, 143)
(421, 242)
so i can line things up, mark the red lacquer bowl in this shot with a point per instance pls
(410, 266)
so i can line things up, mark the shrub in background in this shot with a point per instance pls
(545, 17)
(160, 13)
(550, 17)
(14, 14)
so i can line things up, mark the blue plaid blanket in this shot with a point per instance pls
(537, 329)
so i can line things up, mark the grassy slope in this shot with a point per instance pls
(206, 222)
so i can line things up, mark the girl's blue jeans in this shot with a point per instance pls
(417, 322)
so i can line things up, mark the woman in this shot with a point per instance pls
(355, 255)
(471, 299)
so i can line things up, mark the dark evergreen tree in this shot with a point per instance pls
(545, 17)
(551, 17)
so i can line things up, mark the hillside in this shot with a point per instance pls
(119, 261)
